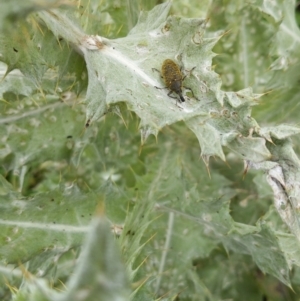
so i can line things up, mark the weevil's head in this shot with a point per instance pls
(175, 86)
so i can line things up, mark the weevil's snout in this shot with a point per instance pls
(181, 97)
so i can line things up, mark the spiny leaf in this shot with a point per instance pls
(100, 274)
(138, 82)
(31, 227)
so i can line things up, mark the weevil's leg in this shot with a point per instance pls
(154, 69)
(189, 72)
(160, 88)
(192, 92)
(179, 57)
(181, 63)
(169, 94)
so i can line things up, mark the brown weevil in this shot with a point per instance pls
(172, 77)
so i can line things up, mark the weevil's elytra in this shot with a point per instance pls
(173, 78)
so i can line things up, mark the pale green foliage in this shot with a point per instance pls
(98, 273)
(181, 227)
